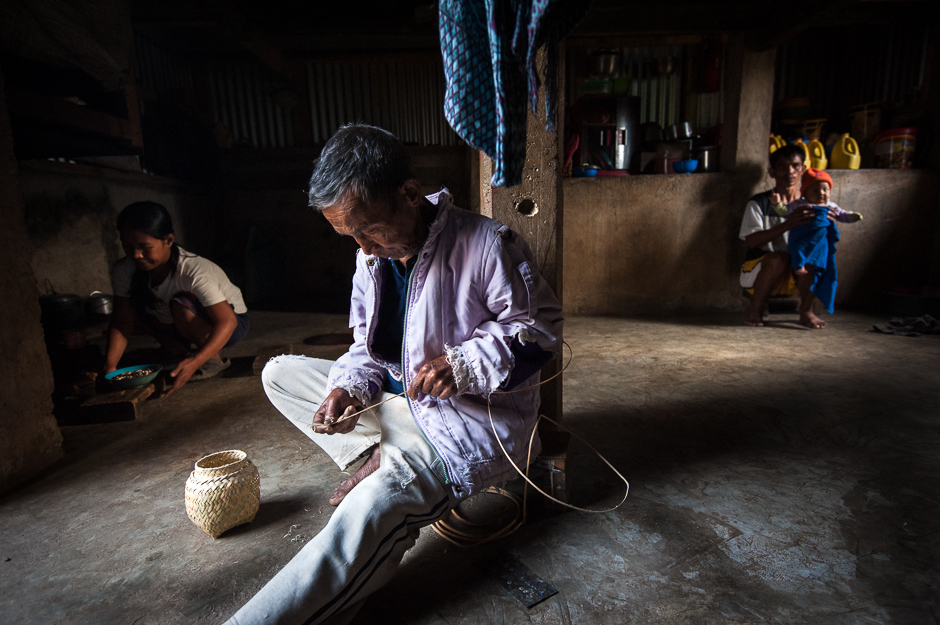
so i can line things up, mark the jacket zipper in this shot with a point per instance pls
(404, 339)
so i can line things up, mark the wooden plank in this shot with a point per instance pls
(114, 406)
(39, 108)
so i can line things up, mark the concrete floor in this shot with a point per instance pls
(778, 475)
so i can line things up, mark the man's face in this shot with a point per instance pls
(786, 172)
(387, 229)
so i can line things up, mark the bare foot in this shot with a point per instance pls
(754, 319)
(810, 320)
(362, 473)
(801, 271)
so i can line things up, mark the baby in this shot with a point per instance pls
(815, 188)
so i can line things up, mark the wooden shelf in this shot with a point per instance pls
(46, 126)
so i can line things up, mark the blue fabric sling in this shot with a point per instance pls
(814, 244)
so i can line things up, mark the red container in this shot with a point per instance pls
(894, 148)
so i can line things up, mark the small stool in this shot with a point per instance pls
(553, 461)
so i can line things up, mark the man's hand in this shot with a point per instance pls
(434, 378)
(336, 404)
(799, 217)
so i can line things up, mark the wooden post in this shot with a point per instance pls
(533, 209)
(749, 93)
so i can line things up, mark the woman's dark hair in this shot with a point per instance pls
(153, 220)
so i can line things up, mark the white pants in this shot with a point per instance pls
(359, 549)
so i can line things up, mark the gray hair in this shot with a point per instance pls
(365, 160)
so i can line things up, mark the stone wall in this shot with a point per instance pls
(29, 437)
(70, 216)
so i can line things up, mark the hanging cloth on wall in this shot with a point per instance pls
(489, 53)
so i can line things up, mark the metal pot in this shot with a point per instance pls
(682, 130)
(60, 311)
(707, 158)
(98, 306)
(605, 63)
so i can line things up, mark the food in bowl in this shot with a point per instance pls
(136, 373)
(134, 377)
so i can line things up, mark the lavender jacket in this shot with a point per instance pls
(472, 291)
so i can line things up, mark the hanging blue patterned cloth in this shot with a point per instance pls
(814, 244)
(489, 52)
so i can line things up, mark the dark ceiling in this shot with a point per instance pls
(297, 28)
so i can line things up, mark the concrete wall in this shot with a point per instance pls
(660, 244)
(894, 244)
(654, 244)
(648, 244)
(29, 436)
(70, 216)
(258, 227)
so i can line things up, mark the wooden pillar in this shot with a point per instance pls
(749, 99)
(533, 209)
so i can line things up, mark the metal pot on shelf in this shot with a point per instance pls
(605, 63)
(707, 157)
(60, 311)
(682, 130)
(98, 306)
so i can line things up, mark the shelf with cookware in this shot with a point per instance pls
(856, 106)
(643, 108)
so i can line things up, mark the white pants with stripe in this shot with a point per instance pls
(359, 549)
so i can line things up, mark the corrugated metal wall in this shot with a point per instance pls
(241, 93)
(656, 77)
(404, 97)
(159, 71)
(242, 100)
(843, 68)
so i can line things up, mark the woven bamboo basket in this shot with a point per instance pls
(224, 490)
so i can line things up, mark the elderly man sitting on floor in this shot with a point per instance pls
(447, 310)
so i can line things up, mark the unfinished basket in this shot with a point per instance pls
(223, 491)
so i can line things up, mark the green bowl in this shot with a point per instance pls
(135, 382)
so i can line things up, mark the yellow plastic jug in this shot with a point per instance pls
(817, 154)
(845, 154)
(800, 143)
(776, 142)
